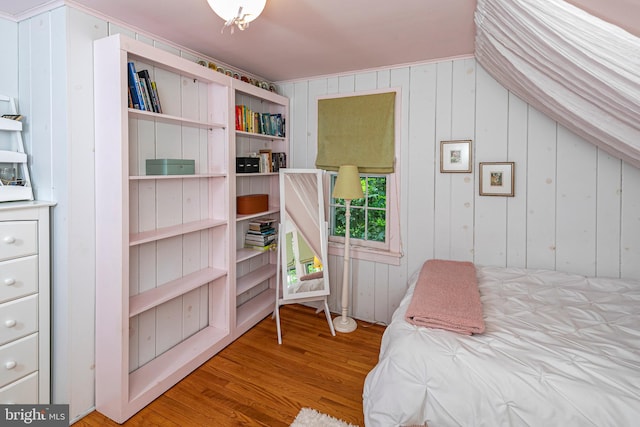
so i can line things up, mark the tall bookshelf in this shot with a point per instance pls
(173, 284)
(163, 288)
(256, 271)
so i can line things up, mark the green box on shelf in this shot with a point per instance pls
(170, 167)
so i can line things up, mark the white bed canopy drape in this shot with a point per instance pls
(578, 69)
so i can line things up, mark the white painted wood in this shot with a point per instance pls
(421, 149)
(608, 213)
(491, 143)
(362, 290)
(25, 323)
(172, 248)
(462, 185)
(630, 215)
(541, 191)
(576, 204)
(442, 130)
(517, 206)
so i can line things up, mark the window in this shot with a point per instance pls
(368, 215)
(374, 230)
(359, 129)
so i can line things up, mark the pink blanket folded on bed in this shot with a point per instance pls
(446, 296)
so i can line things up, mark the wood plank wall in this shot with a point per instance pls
(576, 208)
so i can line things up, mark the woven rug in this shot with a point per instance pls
(308, 417)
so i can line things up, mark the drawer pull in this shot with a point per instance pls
(10, 323)
(9, 281)
(9, 239)
(10, 365)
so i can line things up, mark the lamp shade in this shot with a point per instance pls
(348, 184)
(230, 9)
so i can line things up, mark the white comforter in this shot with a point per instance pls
(559, 350)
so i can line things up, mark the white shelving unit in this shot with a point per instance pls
(169, 247)
(256, 271)
(164, 291)
(13, 157)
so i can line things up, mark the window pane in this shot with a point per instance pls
(357, 226)
(377, 192)
(360, 202)
(337, 213)
(376, 226)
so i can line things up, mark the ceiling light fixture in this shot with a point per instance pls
(237, 12)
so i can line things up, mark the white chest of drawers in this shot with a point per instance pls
(25, 373)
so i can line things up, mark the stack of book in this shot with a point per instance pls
(261, 235)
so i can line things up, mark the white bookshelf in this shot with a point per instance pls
(173, 284)
(256, 271)
(164, 292)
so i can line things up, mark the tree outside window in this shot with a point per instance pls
(368, 215)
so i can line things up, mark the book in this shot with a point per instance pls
(269, 247)
(145, 82)
(261, 224)
(12, 116)
(134, 87)
(145, 95)
(157, 96)
(265, 161)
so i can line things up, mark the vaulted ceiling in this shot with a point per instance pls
(295, 39)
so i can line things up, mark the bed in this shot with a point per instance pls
(557, 350)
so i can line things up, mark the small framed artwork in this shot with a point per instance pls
(497, 179)
(455, 156)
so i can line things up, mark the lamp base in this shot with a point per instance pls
(344, 324)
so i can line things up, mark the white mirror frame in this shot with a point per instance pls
(286, 174)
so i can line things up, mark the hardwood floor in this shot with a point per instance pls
(256, 382)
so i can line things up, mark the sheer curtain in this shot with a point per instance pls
(578, 69)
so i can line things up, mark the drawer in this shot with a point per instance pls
(24, 391)
(18, 278)
(18, 238)
(18, 318)
(18, 359)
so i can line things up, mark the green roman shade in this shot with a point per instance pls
(357, 130)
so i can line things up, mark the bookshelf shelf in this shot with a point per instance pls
(165, 118)
(154, 297)
(179, 177)
(175, 230)
(260, 136)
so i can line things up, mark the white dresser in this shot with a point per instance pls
(25, 372)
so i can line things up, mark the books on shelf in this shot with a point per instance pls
(143, 92)
(272, 124)
(264, 162)
(261, 235)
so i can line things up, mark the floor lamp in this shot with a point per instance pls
(347, 187)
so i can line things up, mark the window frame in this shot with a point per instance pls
(388, 252)
(354, 241)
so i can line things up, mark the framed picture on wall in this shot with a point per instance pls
(455, 156)
(497, 179)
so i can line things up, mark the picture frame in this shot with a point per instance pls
(497, 179)
(455, 156)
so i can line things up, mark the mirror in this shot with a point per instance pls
(302, 243)
(303, 234)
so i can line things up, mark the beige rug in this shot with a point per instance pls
(308, 417)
